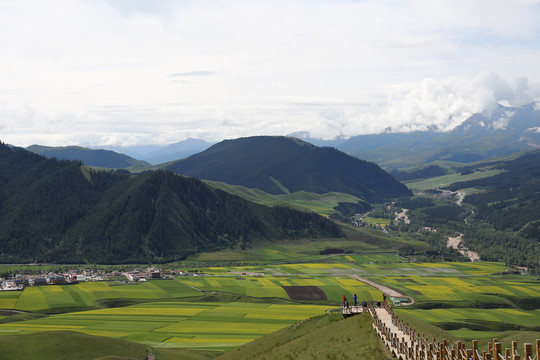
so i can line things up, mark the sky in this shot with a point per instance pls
(132, 72)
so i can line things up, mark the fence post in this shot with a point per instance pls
(515, 355)
(527, 349)
(475, 350)
(496, 349)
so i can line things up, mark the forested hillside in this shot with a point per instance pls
(62, 211)
(279, 165)
(499, 219)
(511, 200)
(91, 157)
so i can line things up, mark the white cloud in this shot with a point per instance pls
(446, 103)
(131, 71)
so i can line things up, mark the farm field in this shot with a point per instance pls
(176, 324)
(466, 291)
(231, 306)
(474, 307)
(377, 221)
(332, 288)
(89, 294)
(436, 182)
(480, 319)
(367, 265)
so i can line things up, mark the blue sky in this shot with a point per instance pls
(126, 72)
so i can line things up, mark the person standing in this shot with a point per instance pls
(355, 300)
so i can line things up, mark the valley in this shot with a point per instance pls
(225, 307)
(272, 263)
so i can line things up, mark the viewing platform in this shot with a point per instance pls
(351, 310)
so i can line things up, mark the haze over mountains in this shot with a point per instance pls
(157, 154)
(504, 131)
(91, 157)
(501, 132)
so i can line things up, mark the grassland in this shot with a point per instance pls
(326, 337)
(440, 181)
(190, 325)
(320, 203)
(54, 345)
(357, 240)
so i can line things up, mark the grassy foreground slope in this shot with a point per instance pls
(322, 337)
(68, 345)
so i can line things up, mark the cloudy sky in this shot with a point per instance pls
(125, 72)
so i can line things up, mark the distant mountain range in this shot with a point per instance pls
(280, 165)
(91, 157)
(62, 211)
(505, 131)
(158, 154)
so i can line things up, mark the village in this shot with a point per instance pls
(20, 281)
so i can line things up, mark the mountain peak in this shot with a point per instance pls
(278, 164)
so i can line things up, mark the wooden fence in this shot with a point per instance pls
(407, 344)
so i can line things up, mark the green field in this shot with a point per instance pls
(357, 240)
(437, 182)
(480, 319)
(176, 324)
(272, 286)
(227, 307)
(320, 203)
(466, 291)
(90, 294)
(377, 221)
(324, 337)
(54, 345)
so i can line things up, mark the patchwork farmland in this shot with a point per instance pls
(231, 306)
(177, 324)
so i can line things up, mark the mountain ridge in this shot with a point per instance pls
(278, 165)
(92, 157)
(63, 211)
(506, 130)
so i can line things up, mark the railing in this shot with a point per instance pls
(351, 310)
(407, 344)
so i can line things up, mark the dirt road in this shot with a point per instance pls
(384, 289)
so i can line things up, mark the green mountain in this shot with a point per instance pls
(499, 216)
(505, 131)
(279, 165)
(510, 200)
(62, 211)
(91, 157)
